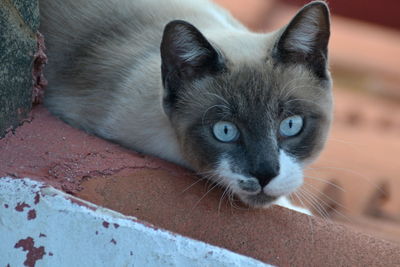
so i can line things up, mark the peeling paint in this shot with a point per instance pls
(21, 206)
(34, 254)
(36, 199)
(31, 214)
(106, 224)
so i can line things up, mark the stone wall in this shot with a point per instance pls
(19, 22)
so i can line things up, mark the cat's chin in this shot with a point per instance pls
(260, 200)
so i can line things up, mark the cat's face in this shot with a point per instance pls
(251, 127)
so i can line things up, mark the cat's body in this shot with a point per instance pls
(105, 76)
(115, 105)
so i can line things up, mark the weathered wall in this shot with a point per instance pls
(19, 22)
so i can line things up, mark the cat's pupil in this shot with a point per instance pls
(290, 124)
(226, 130)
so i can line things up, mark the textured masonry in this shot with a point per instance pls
(19, 22)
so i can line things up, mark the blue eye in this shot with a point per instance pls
(225, 131)
(291, 126)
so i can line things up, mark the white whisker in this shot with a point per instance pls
(205, 194)
(321, 210)
(326, 182)
(325, 195)
(327, 205)
(209, 108)
(196, 182)
(360, 175)
(309, 218)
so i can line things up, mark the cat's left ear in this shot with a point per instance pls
(305, 39)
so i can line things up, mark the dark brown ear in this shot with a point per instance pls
(305, 39)
(186, 55)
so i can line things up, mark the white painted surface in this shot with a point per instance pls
(71, 234)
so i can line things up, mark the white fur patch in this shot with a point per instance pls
(285, 202)
(231, 179)
(289, 179)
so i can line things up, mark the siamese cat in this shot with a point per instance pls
(185, 81)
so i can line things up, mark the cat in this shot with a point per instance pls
(185, 81)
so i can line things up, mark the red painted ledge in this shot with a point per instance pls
(152, 190)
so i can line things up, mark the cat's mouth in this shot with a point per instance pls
(249, 190)
(251, 193)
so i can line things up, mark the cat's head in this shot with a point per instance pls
(250, 120)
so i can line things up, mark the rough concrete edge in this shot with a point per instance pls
(39, 62)
(36, 218)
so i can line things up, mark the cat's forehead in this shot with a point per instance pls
(269, 85)
(242, 47)
(256, 94)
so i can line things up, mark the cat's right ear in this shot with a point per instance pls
(186, 55)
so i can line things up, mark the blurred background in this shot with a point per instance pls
(356, 181)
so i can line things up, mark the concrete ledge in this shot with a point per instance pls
(170, 197)
(41, 225)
